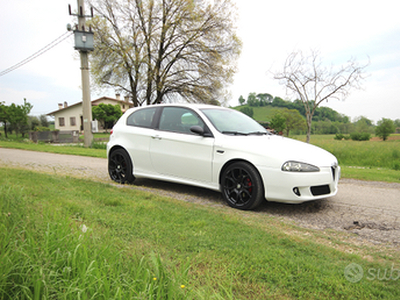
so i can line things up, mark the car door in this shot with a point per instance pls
(177, 152)
(137, 136)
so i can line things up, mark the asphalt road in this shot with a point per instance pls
(370, 210)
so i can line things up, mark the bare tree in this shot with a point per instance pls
(162, 50)
(307, 78)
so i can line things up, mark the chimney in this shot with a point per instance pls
(60, 105)
(118, 96)
(65, 104)
(126, 98)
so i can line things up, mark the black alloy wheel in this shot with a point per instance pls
(242, 187)
(120, 167)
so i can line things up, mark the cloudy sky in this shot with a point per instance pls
(270, 30)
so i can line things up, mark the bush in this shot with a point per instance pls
(360, 136)
(41, 128)
(341, 136)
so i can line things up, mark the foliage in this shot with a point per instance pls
(44, 122)
(307, 79)
(384, 128)
(363, 124)
(278, 122)
(293, 120)
(241, 100)
(15, 117)
(4, 117)
(106, 114)
(247, 111)
(158, 51)
(40, 128)
(360, 136)
(341, 137)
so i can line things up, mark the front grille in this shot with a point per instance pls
(320, 190)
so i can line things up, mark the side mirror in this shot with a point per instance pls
(197, 130)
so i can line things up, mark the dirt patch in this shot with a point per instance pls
(390, 138)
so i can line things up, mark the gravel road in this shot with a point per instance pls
(370, 210)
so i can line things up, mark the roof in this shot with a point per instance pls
(94, 103)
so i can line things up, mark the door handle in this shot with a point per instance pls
(156, 137)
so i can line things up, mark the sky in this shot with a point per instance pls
(367, 31)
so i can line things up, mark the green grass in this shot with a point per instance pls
(366, 160)
(262, 114)
(97, 149)
(139, 245)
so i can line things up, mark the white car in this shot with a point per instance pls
(219, 149)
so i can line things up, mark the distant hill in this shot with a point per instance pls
(261, 114)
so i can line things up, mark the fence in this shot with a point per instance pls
(68, 136)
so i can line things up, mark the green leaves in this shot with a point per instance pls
(385, 128)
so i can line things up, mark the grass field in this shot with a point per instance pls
(366, 160)
(64, 238)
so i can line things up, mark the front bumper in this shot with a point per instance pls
(298, 187)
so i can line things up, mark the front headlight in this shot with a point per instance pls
(295, 166)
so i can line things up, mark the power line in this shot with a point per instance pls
(38, 53)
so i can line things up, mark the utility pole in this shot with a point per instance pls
(84, 44)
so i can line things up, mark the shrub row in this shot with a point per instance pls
(355, 136)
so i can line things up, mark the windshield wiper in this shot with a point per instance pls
(258, 133)
(234, 132)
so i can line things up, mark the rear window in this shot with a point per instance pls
(142, 118)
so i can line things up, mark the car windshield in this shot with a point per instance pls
(229, 121)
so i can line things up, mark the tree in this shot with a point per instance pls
(305, 77)
(241, 100)
(384, 128)
(278, 122)
(17, 117)
(247, 111)
(106, 114)
(265, 99)
(252, 100)
(33, 122)
(294, 120)
(4, 117)
(397, 125)
(44, 122)
(165, 50)
(363, 124)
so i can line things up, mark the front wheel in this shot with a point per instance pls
(242, 186)
(120, 167)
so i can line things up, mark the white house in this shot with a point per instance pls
(70, 117)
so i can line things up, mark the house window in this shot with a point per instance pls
(61, 122)
(72, 121)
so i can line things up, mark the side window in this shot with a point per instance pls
(178, 119)
(142, 118)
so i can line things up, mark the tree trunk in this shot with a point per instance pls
(309, 120)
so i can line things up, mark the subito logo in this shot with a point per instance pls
(353, 272)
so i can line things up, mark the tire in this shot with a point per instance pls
(120, 167)
(242, 186)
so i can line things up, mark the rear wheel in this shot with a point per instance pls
(120, 167)
(242, 186)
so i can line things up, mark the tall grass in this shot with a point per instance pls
(60, 258)
(377, 154)
(63, 238)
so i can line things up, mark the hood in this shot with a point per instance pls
(281, 149)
